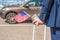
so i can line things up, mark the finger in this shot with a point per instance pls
(37, 23)
(41, 23)
(34, 21)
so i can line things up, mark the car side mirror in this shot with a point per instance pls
(27, 7)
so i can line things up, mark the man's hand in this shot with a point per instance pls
(37, 21)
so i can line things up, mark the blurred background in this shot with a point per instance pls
(11, 2)
(22, 31)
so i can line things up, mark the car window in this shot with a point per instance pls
(31, 4)
(34, 3)
(37, 4)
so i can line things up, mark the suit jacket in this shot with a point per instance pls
(50, 13)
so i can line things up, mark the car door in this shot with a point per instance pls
(31, 8)
(34, 7)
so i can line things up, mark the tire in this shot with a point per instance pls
(9, 19)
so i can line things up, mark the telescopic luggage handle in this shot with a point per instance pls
(33, 32)
(34, 27)
(45, 32)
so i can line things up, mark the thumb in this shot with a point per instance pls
(36, 23)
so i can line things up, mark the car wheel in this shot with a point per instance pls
(9, 19)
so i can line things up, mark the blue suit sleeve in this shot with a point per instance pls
(45, 8)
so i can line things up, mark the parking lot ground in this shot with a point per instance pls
(22, 31)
